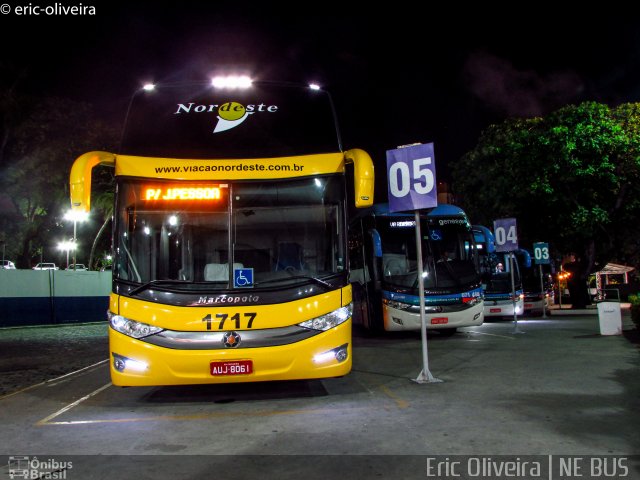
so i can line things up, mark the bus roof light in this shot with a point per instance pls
(232, 81)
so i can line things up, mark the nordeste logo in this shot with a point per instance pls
(229, 114)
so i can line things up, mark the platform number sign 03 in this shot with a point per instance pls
(506, 234)
(541, 253)
(412, 178)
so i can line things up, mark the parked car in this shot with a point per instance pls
(7, 265)
(79, 266)
(46, 266)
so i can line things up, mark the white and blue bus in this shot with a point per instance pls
(538, 296)
(384, 270)
(495, 269)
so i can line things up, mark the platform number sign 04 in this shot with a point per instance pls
(506, 234)
(541, 253)
(412, 178)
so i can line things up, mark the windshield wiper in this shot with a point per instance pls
(152, 283)
(315, 280)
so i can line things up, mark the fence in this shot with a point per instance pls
(49, 297)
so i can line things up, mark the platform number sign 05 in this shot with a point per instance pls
(541, 253)
(506, 234)
(412, 178)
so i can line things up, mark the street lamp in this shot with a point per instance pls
(75, 216)
(67, 246)
(563, 275)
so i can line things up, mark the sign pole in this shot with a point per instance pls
(544, 295)
(513, 295)
(425, 375)
(506, 234)
(542, 257)
(412, 186)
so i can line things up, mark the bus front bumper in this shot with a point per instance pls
(502, 308)
(401, 320)
(139, 363)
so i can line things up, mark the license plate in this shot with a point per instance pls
(528, 305)
(439, 321)
(495, 310)
(234, 367)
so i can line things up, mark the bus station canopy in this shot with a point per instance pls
(615, 269)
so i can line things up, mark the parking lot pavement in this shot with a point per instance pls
(559, 388)
(32, 355)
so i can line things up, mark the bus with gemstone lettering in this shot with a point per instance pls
(501, 298)
(229, 235)
(384, 270)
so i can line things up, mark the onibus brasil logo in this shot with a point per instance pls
(229, 114)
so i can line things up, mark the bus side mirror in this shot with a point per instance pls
(363, 177)
(80, 178)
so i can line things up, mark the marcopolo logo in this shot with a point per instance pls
(230, 114)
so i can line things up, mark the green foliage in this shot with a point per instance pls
(570, 178)
(41, 147)
(635, 309)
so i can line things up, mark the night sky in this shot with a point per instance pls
(398, 76)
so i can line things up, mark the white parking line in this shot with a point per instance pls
(53, 380)
(491, 334)
(71, 405)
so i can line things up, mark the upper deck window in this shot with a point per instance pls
(200, 121)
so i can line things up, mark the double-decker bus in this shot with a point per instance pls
(384, 270)
(230, 245)
(495, 269)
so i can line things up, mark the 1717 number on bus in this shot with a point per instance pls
(236, 320)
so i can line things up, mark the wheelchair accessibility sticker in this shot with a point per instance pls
(242, 277)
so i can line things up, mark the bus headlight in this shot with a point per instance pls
(130, 327)
(471, 301)
(330, 320)
(397, 305)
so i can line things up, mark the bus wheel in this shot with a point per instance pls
(447, 332)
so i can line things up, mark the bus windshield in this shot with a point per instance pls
(197, 233)
(203, 122)
(496, 273)
(448, 255)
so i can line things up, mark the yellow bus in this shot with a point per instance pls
(229, 235)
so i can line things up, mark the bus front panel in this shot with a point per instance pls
(307, 338)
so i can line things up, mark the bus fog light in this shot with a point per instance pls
(340, 354)
(118, 363)
(122, 363)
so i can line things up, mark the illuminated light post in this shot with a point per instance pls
(67, 246)
(562, 275)
(75, 216)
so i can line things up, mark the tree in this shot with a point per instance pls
(570, 178)
(103, 203)
(37, 159)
